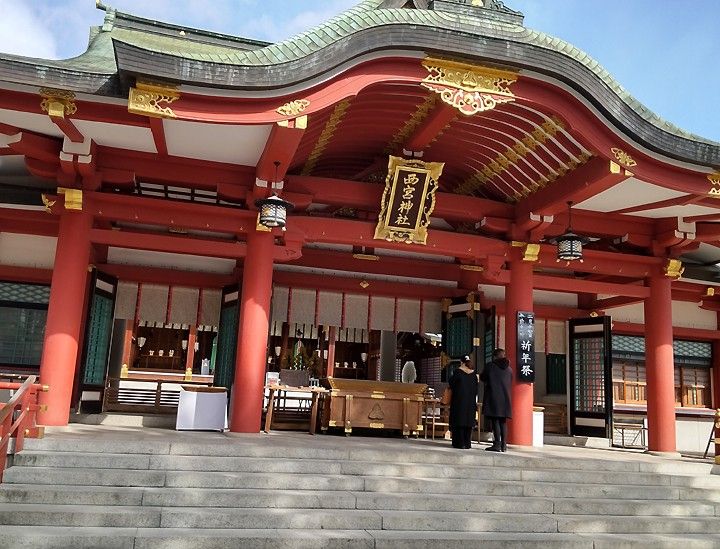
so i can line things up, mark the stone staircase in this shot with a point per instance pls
(159, 489)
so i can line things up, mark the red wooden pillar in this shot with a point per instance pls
(254, 324)
(716, 388)
(332, 336)
(64, 318)
(660, 366)
(518, 297)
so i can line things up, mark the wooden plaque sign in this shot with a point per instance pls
(408, 200)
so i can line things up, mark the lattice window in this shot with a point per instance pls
(21, 335)
(24, 293)
(589, 375)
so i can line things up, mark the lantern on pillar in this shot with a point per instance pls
(273, 211)
(569, 244)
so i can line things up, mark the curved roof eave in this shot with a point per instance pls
(511, 46)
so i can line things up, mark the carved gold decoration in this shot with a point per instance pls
(47, 202)
(674, 268)
(364, 284)
(714, 179)
(147, 99)
(326, 135)
(623, 158)
(73, 198)
(469, 88)
(293, 108)
(412, 124)
(57, 103)
(376, 413)
(408, 200)
(709, 292)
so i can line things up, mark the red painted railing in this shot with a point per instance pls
(17, 417)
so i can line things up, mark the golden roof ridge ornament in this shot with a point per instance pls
(293, 108)
(147, 99)
(469, 88)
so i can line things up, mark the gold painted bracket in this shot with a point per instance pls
(73, 198)
(674, 268)
(468, 88)
(623, 158)
(47, 203)
(147, 99)
(57, 103)
(530, 251)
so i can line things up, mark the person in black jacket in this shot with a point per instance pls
(496, 406)
(463, 404)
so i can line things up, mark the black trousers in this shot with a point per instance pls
(461, 437)
(499, 427)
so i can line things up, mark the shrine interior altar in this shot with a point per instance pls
(356, 403)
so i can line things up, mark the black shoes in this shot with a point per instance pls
(503, 447)
(493, 448)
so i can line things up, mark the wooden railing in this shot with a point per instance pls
(18, 417)
(144, 397)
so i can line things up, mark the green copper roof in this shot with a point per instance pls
(203, 46)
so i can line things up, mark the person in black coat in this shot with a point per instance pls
(497, 406)
(463, 404)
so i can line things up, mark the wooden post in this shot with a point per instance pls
(332, 336)
(190, 354)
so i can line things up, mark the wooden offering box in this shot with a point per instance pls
(373, 404)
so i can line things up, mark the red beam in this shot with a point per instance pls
(157, 275)
(682, 333)
(564, 284)
(169, 244)
(34, 222)
(164, 213)
(352, 285)
(280, 147)
(30, 275)
(431, 127)
(184, 245)
(580, 184)
(68, 128)
(40, 147)
(361, 233)
(612, 302)
(607, 263)
(678, 201)
(175, 171)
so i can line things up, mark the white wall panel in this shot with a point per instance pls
(689, 315)
(561, 299)
(628, 313)
(557, 337)
(24, 250)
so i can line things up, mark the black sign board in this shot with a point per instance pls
(526, 346)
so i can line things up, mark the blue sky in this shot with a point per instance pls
(666, 53)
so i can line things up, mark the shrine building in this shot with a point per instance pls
(411, 180)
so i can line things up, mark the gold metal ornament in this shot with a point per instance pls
(714, 179)
(469, 88)
(623, 158)
(674, 268)
(293, 108)
(73, 198)
(147, 99)
(57, 103)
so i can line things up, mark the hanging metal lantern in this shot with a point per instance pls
(569, 247)
(569, 244)
(273, 211)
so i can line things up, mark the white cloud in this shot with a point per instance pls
(24, 32)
